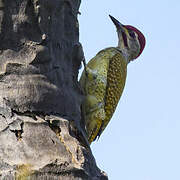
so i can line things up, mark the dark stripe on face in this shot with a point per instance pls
(124, 39)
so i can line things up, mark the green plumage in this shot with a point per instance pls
(103, 84)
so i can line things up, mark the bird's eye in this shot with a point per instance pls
(132, 34)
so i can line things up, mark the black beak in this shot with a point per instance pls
(116, 23)
(120, 29)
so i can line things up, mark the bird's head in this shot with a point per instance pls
(131, 40)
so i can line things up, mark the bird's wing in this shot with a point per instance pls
(116, 77)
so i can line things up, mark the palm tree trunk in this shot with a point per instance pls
(41, 130)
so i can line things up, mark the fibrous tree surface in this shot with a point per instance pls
(42, 133)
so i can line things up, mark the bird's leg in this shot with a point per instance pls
(91, 74)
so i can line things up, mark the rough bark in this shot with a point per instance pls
(41, 132)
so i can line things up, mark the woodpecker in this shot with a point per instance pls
(104, 77)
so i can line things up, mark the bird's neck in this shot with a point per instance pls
(124, 52)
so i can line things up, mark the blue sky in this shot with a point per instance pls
(142, 141)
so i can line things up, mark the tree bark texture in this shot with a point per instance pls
(41, 132)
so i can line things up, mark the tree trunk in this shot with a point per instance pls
(41, 130)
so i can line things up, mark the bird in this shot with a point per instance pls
(104, 77)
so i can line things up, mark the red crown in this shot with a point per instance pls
(141, 38)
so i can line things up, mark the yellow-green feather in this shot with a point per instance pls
(116, 79)
(103, 85)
